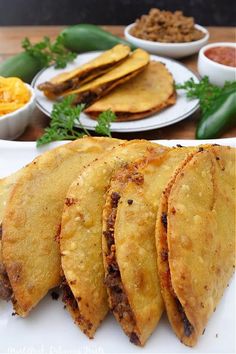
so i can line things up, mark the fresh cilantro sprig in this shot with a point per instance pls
(65, 116)
(104, 122)
(48, 53)
(205, 91)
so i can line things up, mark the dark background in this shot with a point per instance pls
(110, 12)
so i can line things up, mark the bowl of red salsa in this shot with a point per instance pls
(218, 62)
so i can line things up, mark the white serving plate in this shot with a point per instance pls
(181, 110)
(171, 50)
(49, 328)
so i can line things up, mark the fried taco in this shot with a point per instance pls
(147, 93)
(195, 236)
(129, 247)
(72, 80)
(6, 184)
(85, 293)
(99, 87)
(31, 221)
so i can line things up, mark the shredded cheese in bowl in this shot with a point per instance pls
(13, 94)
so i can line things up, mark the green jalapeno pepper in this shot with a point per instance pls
(22, 65)
(86, 38)
(219, 117)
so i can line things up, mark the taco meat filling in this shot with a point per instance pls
(119, 301)
(88, 97)
(74, 83)
(68, 297)
(5, 286)
(56, 89)
(70, 302)
(188, 328)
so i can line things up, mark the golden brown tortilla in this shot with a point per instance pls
(145, 94)
(6, 184)
(85, 293)
(72, 80)
(99, 87)
(32, 218)
(195, 235)
(129, 247)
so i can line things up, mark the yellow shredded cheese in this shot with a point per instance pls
(13, 94)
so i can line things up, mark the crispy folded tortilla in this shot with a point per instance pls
(31, 221)
(129, 247)
(195, 235)
(99, 87)
(145, 94)
(72, 80)
(85, 293)
(6, 184)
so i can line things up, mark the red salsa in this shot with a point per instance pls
(222, 55)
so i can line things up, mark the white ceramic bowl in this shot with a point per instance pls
(172, 50)
(13, 124)
(217, 73)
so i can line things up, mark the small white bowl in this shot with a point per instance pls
(217, 73)
(13, 124)
(172, 50)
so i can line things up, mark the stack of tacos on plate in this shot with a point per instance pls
(142, 228)
(95, 89)
(126, 83)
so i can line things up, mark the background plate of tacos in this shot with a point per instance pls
(174, 112)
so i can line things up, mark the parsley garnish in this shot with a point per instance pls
(205, 91)
(48, 53)
(104, 122)
(64, 116)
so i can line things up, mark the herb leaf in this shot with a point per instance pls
(205, 91)
(48, 53)
(65, 115)
(104, 122)
(63, 118)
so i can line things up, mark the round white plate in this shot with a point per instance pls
(182, 109)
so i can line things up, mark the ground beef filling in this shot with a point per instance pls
(87, 98)
(166, 27)
(73, 83)
(72, 302)
(68, 297)
(5, 286)
(119, 301)
(55, 89)
(188, 328)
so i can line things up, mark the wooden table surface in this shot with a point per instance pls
(10, 44)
